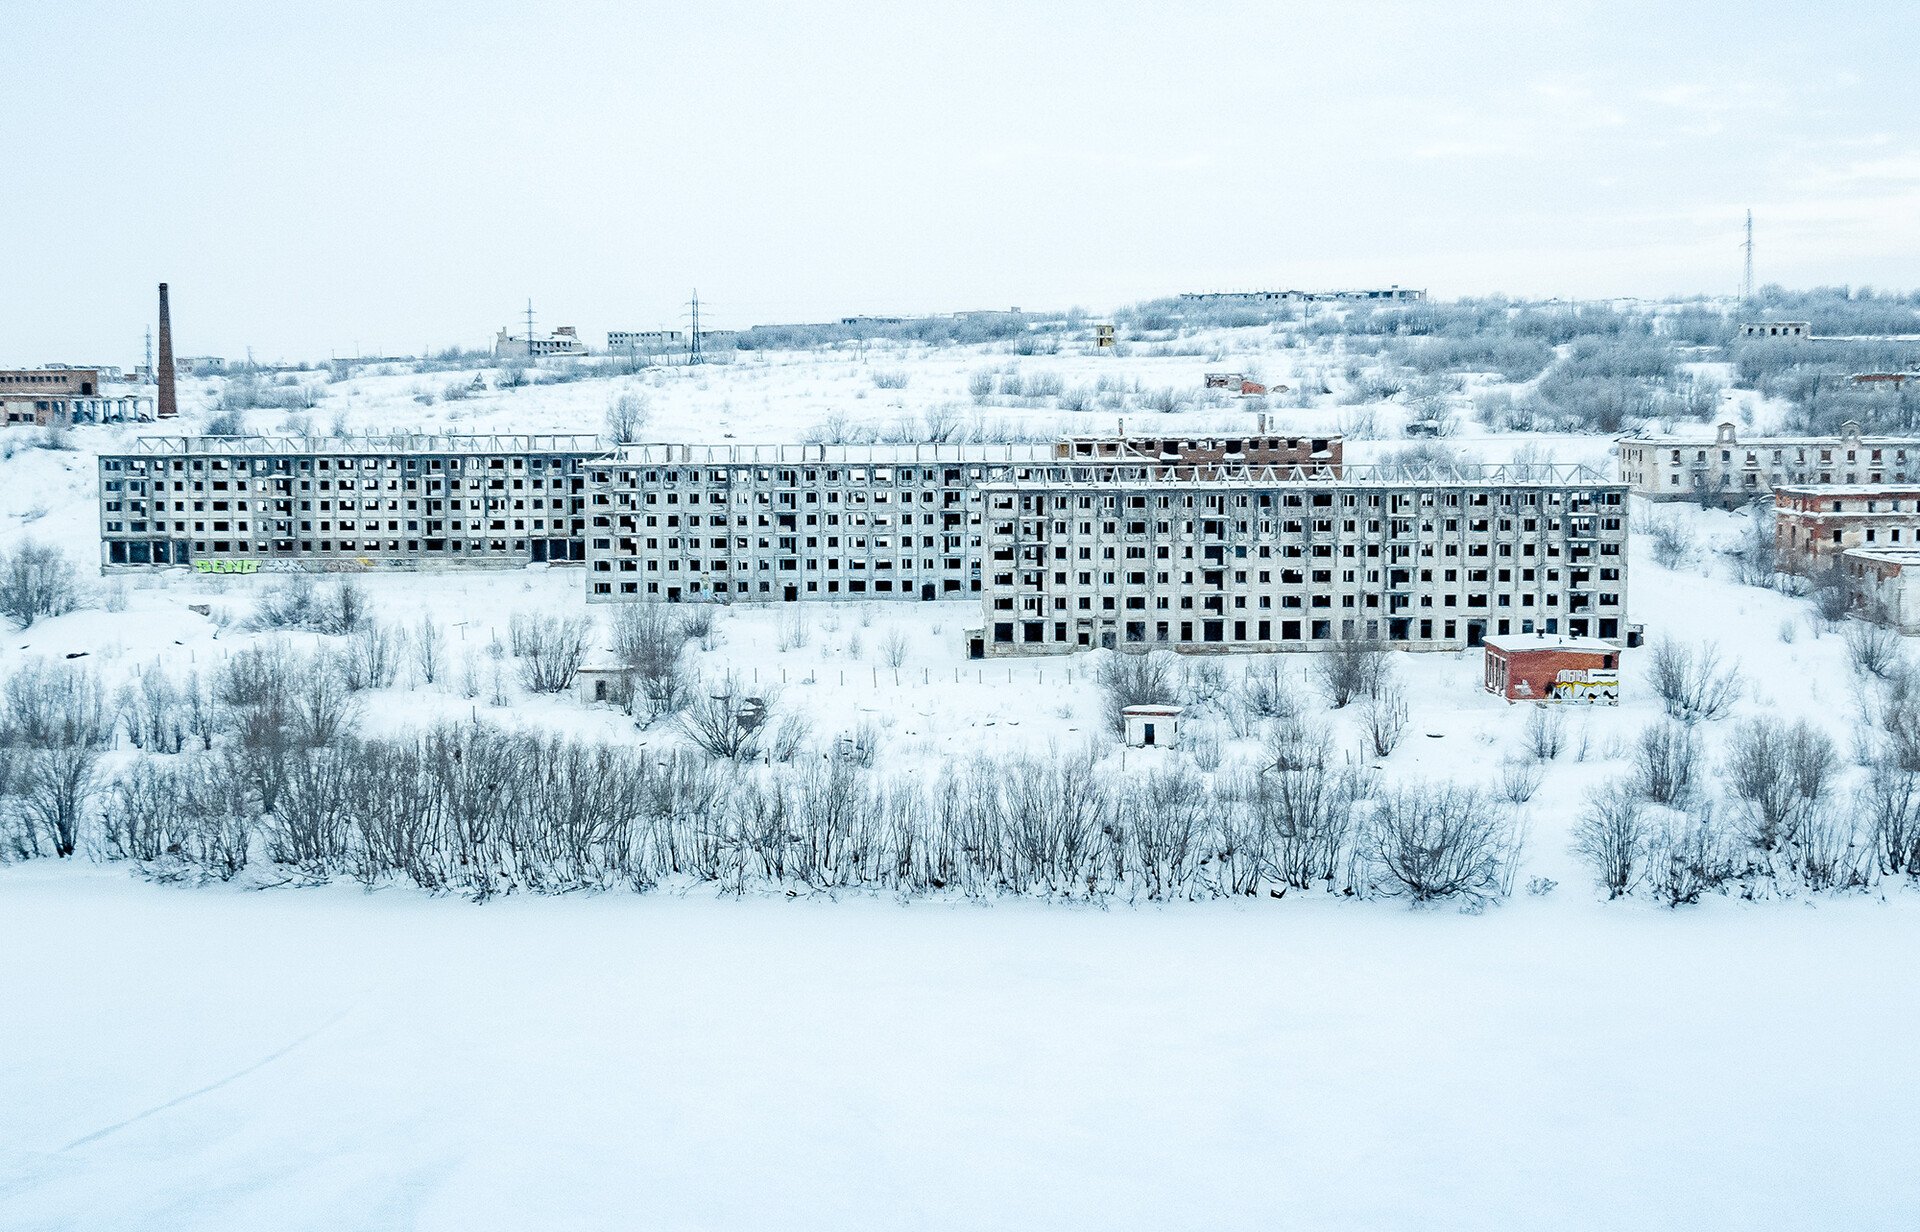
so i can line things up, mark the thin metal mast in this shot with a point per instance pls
(1746, 283)
(693, 341)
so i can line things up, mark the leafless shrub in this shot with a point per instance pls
(795, 629)
(428, 643)
(340, 607)
(1611, 837)
(284, 604)
(647, 641)
(1693, 682)
(1520, 778)
(1267, 693)
(1384, 716)
(1889, 804)
(1688, 854)
(722, 720)
(1302, 807)
(893, 648)
(1666, 763)
(1754, 560)
(1440, 841)
(371, 656)
(1828, 851)
(1546, 731)
(37, 581)
(1672, 541)
(790, 733)
(1780, 775)
(1347, 670)
(627, 417)
(1874, 651)
(1135, 680)
(56, 782)
(549, 649)
(51, 705)
(697, 625)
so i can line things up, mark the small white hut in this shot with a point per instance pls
(1152, 727)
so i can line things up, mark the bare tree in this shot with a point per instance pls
(57, 783)
(1672, 541)
(1688, 854)
(342, 606)
(429, 648)
(1890, 804)
(1611, 836)
(723, 721)
(1439, 841)
(36, 581)
(1347, 670)
(1694, 683)
(372, 655)
(550, 650)
(893, 648)
(1873, 650)
(1546, 731)
(627, 417)
(1520, 778)
(1384, 716)
(647, 641)
(1754, 559)
(1666, 763)
(1780, 775)
(1135, 680)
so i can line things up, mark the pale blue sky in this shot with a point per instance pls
(315, 177)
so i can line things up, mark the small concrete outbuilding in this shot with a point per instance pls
(1539, 667)
(1152, 727)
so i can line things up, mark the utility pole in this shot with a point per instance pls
(1746, 283)
(693, 340)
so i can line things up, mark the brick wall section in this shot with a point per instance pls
(1813, 525)
(1537, 670)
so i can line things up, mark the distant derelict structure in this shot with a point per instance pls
(1392, 294)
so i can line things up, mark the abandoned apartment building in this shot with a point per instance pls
(791, 523)
(1727, 471)
(47, 397)
(1814, 524)
(1260, 559)
(344, 503)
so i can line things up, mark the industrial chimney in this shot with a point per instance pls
(163, 372)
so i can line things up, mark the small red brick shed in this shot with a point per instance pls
(1537, 667)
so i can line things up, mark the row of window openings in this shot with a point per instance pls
(1398, 630)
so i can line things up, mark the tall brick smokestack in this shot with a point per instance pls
(166, 408)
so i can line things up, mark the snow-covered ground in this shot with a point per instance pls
(212, 1059)
(207, 1057)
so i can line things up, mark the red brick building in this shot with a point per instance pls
(1540, 667)
(1814, 523)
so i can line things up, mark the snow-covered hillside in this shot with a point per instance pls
(209, 1057)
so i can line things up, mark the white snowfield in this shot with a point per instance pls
(213, 1059)
(179, 1056)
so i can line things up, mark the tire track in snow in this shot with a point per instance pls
(269, 1059)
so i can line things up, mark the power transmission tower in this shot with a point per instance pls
(150, 375)
(529, 329)
(1746, 283)
(693, 337)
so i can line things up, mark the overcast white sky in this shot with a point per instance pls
(385, 176)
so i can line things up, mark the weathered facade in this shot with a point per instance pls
(246, 504)
(1727, 471)
(1262, 558)
(1814, 524)
(1542, 668)
(790, 523)
(1883, 585)
(47, 396)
